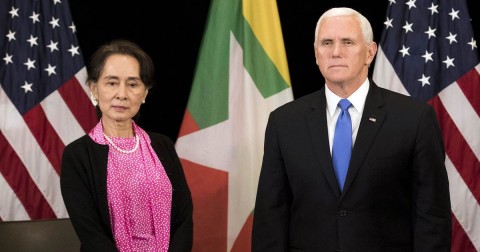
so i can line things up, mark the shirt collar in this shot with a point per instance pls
(357, 98)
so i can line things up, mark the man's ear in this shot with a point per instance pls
(372, 50)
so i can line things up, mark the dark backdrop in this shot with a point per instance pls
(171, 33)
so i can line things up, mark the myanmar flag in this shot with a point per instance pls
(241, 76)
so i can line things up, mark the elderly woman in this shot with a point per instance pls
(124, 188)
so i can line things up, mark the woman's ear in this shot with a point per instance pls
(145, 97)
(93, 93)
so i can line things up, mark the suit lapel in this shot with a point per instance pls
(318, 130)
(370, 123)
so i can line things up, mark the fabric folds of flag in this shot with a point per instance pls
(428, 51)
(241, 76)
(44, 105)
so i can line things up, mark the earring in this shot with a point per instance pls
(143, 101)
(93, 99)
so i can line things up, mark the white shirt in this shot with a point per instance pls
(356, 110)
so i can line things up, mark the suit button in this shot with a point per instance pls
(342, 212)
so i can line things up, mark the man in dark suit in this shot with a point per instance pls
(392, 194)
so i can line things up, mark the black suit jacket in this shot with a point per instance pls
(83, 183)
(396, 194)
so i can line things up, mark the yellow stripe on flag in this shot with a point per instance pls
(268, 31)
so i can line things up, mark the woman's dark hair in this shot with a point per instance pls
(123, 47)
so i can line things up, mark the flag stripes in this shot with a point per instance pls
(45, 105)
(23, 200)
(33, 150)
(470, 85)
(85, 116)
(45, 135)
(428, 48)
(460, 124)
(460, 237)
(465, 210)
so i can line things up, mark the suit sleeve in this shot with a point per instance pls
(182, 205)
(432, 223)
(271, 213)
(78, 196)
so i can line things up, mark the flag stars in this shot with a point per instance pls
(431, 32)
(50, 69)
(30, 64)
(427, 56)
(388, 23)
(35, 17)
(27, 87)
(449, 62)
(473, 43)
(73, 28)
(8, 59)
(74, 50)
(53, 46)
(454, 14)
(391, 2)
(433, 8)
(54, 22)
(56, 1)
(411, 3)
(404, 51)
(424, 80)
(32, 40)
(14, 12)
(407, 27)
(452, 38)
(11, 35)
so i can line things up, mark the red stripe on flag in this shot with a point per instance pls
(188, 125)
(209, 188)
(46, 136)
(458, 149)
(17, 176)
(460, 240)
(469, 83)
(74, 95)
(244, 238)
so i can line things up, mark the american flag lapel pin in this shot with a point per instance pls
(372, 119)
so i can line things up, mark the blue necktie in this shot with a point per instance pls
(342, 142)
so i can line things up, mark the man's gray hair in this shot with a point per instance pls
(344, 11)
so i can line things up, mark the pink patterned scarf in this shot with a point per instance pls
(139, 193)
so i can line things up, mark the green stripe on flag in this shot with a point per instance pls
(264, 73)
(208, 101)
(263, 38)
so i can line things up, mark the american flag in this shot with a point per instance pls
(428, 51)
(44, 105)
